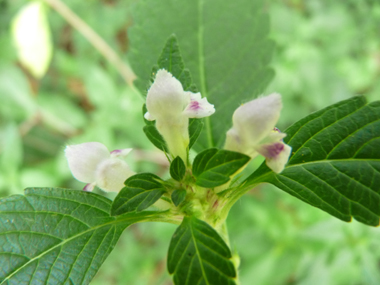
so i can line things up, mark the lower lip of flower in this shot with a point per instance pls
(273, 150)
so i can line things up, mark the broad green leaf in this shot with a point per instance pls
(155, 137)
(177, 169)
(178, 196)
(31, 34)
(335, 161)
(223, 43)
(140, 192)
(56, 236)
(214, 167)
(198, 255)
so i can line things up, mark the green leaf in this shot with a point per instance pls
(152, 133)
(335, 161)
(195, 129)
(177, 169)
(155, 137)
(56, 236)
(198, 255)
(172, 61)
(178, 196)
(140, 192)
(227, 52)
(214, 167)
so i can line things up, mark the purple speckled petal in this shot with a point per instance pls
(271, 150)
(276, 154)
(198, 107)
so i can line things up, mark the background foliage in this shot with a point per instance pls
(326, 51)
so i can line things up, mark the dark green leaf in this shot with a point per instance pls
(227, 69)
(214, 167)
(198, 255)
(335, 161)
(56, 236)
(195, 129)
(172, 61)
(140, 192)
(155, 137)
(178, 196)
(177, 169)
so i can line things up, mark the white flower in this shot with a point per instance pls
(171, 107)
(92, 163)
(253, 131)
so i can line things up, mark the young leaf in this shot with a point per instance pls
(335, 161)
(177, 169)
(178, 196)
(195, 129)
(140, 192)
(56, 236)
(198, 255)
(155, 137)
(214, 167)
(227, 70)
(172, 61)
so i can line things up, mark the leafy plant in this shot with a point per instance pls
(328, 159)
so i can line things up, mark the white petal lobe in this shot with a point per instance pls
(111, 174)
(198, 107)
(84, 159)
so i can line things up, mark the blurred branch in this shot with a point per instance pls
(124, 69)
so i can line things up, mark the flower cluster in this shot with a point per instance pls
(253, 133)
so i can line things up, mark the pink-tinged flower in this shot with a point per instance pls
(92, 163)
(253, 131)
(171, 107)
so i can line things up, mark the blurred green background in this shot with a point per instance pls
(327, 51)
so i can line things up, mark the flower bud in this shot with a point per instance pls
(92, 163)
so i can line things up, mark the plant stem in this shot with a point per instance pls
(235, 257)
(87, 32)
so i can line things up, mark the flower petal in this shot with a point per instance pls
(121, 152)
(198, 107)
(84, 159)
(165, 98)
(89, 187)
(112, 173)
(257, 118)
(276, 154)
